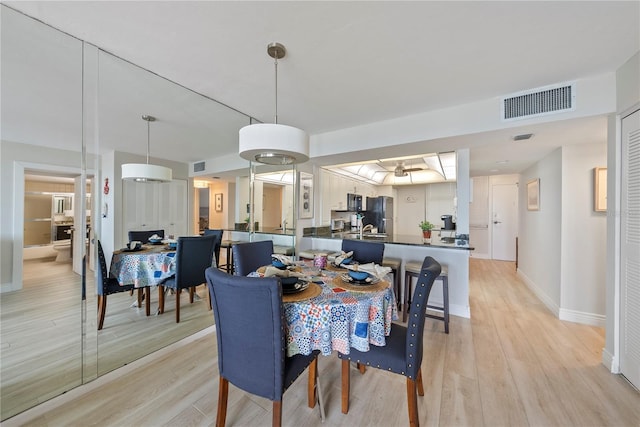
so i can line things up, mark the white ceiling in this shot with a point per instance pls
(348, 63)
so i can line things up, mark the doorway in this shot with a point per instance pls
(504, 221)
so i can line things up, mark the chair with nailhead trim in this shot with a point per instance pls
(402, 353)
(250, 330)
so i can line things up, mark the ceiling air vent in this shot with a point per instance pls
(539, 102)
(198, 167)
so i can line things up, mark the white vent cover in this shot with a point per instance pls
(539, 102)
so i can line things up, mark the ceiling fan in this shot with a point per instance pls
(400, 170)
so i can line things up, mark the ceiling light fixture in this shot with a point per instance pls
(274, 144)
(144, 172)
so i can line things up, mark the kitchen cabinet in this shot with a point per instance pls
(152, 206)
(334, 189)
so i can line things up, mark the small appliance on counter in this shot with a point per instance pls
(337, 225)
(354, 202)
(448, 222)
(448, 231)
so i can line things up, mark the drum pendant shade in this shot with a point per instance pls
(274, 144)
(145, 172)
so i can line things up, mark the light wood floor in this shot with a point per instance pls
(41, 337)
(512, 364)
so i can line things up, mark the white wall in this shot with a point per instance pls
(540, 231)
(584, 233)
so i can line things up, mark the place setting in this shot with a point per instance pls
(362, 277)
(296, 286)
(341, 261)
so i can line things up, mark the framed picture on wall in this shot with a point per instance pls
(600, 189)
(533, 195)
(218, 202)
(306, 195)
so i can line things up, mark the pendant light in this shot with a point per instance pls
(145, 172)
(274, 144)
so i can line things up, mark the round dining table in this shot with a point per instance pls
(339, 315)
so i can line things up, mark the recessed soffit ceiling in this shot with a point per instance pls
(421, 169)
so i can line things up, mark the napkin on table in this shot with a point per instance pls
(286, 260)
(344, 255)
(273, 271)
(154, 237)
(372, 268)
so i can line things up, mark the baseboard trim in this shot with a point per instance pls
(610, 362)
(582, 317)
(546, 300)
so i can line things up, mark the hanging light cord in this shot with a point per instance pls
(148, 137)
(276, 66)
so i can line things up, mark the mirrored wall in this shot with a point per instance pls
(65, 105)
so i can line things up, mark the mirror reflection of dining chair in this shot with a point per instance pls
(106, 285)
(364, 252)
(250, 330)
(248, 256)
(193, 256)
(218, 235)
(402, 353)
(144, 235)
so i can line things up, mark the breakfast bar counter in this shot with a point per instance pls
(412, 248)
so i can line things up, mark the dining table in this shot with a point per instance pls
(145, 267)
(332, 314)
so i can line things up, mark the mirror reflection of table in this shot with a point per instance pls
(144, 268)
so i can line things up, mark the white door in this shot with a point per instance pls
(504, 221)
(630, 250)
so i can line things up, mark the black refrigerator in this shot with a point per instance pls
(380, 213)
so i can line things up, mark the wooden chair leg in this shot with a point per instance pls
(178, 292)
(277, 413)
(147, 301)
(361, 367)
(419, 383)
(192, 291)
(223, 393)
(345, 386)
(160, 299)
(412, 403)
(140, 297)
(311, 387)
(102, 308)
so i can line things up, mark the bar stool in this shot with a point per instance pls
(228, 244)
(412, 269)
(394, 264)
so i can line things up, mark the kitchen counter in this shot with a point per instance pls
(397, 239)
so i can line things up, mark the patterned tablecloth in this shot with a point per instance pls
(147, 267)
(338, 319)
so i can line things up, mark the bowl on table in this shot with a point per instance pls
(155, 240)
(134, 245)
(358, 275)
(172, 244)
(346, 261)
(278, 264)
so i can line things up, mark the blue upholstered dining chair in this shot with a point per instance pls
(143, 235)
(250, 330)
(106, 285)
(364, 252)
(193, 256)
(218, 236)
(247, 257)
(402, 353)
